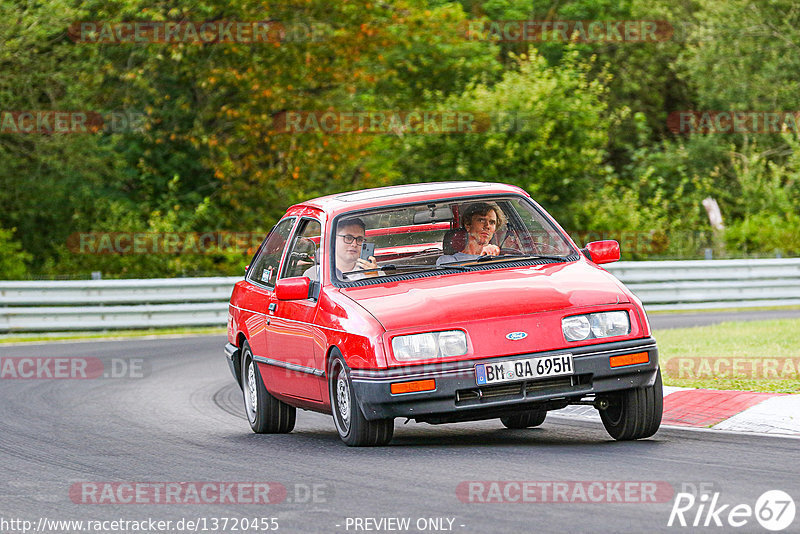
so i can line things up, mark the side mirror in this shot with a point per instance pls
(602, 251)
(295, 288)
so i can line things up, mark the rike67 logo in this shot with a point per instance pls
(774, 510)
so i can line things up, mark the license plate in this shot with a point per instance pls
(515, 370)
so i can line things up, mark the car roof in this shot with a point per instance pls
(400, 194)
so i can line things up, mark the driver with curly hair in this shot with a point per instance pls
(480, 221)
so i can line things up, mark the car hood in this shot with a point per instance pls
(488, 294)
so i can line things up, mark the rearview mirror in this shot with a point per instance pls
(602, 251)
(431, 215)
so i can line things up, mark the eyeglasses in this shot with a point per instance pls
(350, 238)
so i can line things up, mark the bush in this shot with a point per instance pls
(546, 131)
(764, 234)
(12, 257)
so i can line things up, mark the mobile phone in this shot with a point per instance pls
(367, 250)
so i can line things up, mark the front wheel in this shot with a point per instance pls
(265, 413)
(354, 429)
(634, 413)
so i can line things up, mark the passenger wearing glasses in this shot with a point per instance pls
(350, 235)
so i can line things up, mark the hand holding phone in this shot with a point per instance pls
(367, 250)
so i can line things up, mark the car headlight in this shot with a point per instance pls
(429, 345)
(596, 325)
(576, 328)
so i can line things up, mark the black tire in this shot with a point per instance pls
(524, 420)
(354, 429)
(265, 413)
(635, 413)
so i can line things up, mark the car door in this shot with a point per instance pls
(293, 340)
(261, 275)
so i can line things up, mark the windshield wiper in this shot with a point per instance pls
(393, 267)
(425, 266)
(516, 257)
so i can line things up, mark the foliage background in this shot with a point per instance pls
(594, 148)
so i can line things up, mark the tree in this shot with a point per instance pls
(547, 131)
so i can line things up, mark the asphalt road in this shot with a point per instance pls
(179, 418)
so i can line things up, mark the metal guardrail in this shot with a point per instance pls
(116, 304)
(711, 284)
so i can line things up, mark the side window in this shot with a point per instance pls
(303, 258)
(264, 269)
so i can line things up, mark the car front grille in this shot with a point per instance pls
(521, 390)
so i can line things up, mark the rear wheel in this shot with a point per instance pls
(265, 413)
(354, 429)
(524, 420)
(634, 413)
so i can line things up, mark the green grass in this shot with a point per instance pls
(110, 334)
(754, 345)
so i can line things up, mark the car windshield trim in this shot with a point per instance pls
(448, 269)
(516, 200)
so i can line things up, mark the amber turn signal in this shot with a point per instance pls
(629, 359)
(411, 387)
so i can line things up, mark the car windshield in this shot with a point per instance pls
(443, 235)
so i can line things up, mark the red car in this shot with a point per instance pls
(438, 302)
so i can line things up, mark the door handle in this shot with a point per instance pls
(273, 306)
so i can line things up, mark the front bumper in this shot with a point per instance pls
(457, 397)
